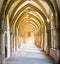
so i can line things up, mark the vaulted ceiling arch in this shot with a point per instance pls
(11, 2)
(25, 25)
(24, 14)
(48, 2)
(35, 9)
(19, 4)
(20, 20)
(31, 20)
(32, 27)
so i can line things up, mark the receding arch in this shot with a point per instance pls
(20, 3)
(31, 20)
(19, 20)
(35, 9)
(30, 23)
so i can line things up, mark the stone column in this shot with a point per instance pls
(39, 39)
(42, 40)
(8, 43)
(49, 38)
(8, 38)
(45, 45)
(16, 40)
(11, 43)
(2, 36)
(48, 41)
(59, 46)
(2, 46)
(58, 31)
(42, 43)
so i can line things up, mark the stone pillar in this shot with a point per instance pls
(2, 46)
(48, 40)
(2, 36)
(16, 40)
(43, 38)
(39, 39)
(45, 44)
(15, 43)
(42, 41)
(8, 38)
(19, 42)
(49, 37)
(58, 37)
(13, 37)
(11, 43)
(59, 46)
(8, 44)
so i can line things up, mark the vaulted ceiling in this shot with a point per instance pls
(29, 13)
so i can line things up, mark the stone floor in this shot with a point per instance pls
(29, 54)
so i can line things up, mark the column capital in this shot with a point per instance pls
(12, 33)
(2, 31)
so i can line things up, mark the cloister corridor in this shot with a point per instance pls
(29, 31)
(29, 53)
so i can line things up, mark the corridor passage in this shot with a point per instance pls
(29, 54)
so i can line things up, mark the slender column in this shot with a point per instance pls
(14, 42)
(54, 37)
(58, 31)
(8, 44)
(49, 38)
(42, 43)
(48, 41)
(45, 37)
(3, 47)
(2, 32)
(17, 39)
(14, 38)
(45, 44)
(11, 44)
(40, 40)
(8, 38)
(0, 45)
(59, 46)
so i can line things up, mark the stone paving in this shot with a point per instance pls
(29, 54)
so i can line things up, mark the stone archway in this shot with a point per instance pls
(51, 24)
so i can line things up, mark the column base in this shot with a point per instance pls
(58, 54)
(2, 58)
(47, 49)
(54, 53)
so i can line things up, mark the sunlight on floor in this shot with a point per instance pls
(29, 53)
(28, 44)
